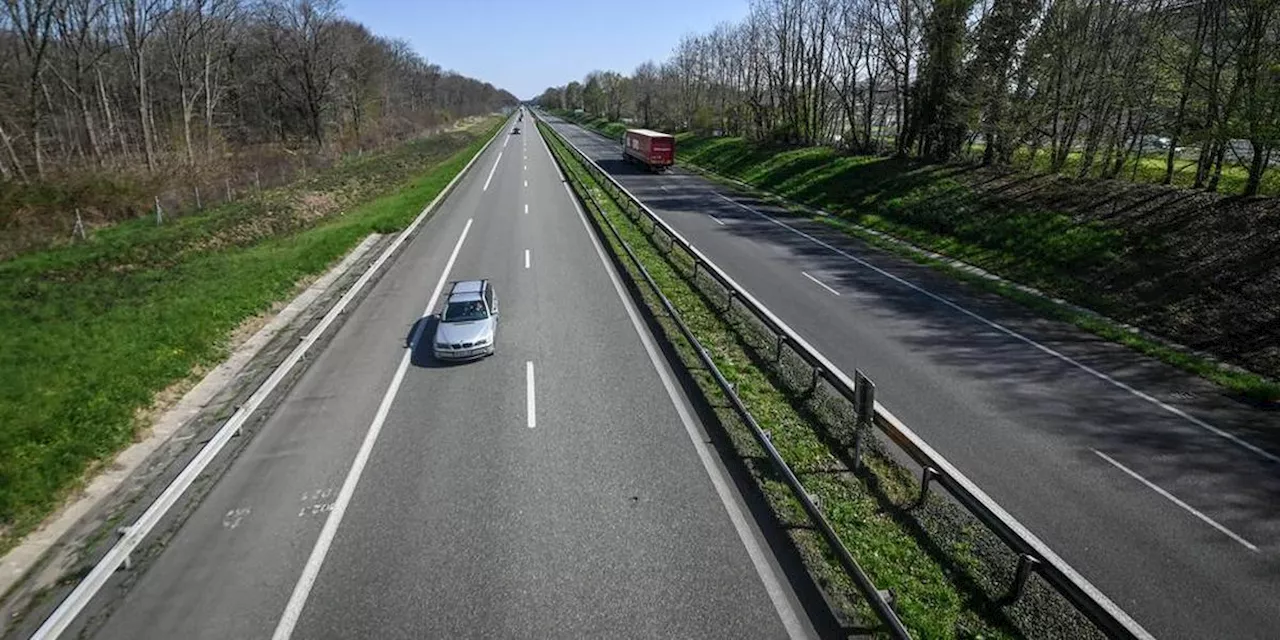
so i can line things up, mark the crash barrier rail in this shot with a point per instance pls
(850, 405)
(876, 598)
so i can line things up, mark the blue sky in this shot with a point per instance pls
(525, 46)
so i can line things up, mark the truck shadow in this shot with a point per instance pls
(617, 166)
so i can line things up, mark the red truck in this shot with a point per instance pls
(650, 148)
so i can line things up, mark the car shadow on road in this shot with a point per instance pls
(418, 341)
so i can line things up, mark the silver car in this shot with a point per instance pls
(468, 323)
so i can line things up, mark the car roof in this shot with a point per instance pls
(467, 290)
(467, 286)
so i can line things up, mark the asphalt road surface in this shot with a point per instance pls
(560, 488)
(1150, 482)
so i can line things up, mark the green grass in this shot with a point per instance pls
(946, 573)
(1150, 167)
(925, 204)
(1150, 170)
(89, 333)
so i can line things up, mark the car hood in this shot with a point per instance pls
(461, 332)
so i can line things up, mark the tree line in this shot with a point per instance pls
(1090, 85)
(115, 83)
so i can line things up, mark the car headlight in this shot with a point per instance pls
(442, 345)
(482, 342)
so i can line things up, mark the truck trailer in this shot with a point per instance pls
(655, 150)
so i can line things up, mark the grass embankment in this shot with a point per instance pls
(947, 573)
(90, 333)
(1150, 169)
(1186, 266)
(41, 214)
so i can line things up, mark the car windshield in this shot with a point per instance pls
(465, 311)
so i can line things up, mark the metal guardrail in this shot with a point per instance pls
(859, 393)
(876, 598)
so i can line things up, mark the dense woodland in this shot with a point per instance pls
(1093, 87)
(149, 84)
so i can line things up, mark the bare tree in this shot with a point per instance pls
(99, 85)
(137, 20)
(32, 20)
(301, 37)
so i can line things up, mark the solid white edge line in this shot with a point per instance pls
(772, 585)
(75, 602)
(552, 159)
(819, 282)
(1174, 499)
(1014, 334)
(491, 172)
(530, 407)
(310, 571)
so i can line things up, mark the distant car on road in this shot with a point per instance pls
(468, 323)
(516, 130)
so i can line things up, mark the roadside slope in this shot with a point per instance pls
(88, 334)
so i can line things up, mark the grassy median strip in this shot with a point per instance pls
(947, 573)
(90, 333)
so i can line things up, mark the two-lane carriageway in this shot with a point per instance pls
(563, 487)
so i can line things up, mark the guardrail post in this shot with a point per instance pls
(728, 301)
(865, 392)
(127, 563)
(779, 341)
(1026, 564)
(925, 478)
(888, 596)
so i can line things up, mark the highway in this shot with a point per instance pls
(563, 487)
(1151, 483)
